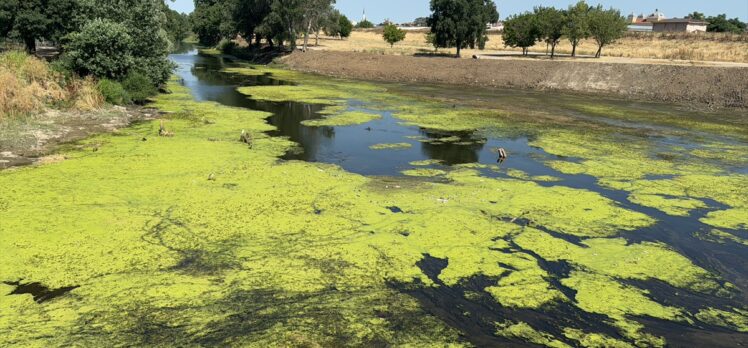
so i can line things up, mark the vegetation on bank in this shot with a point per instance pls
(109, 51)
(29, 85)
(169, 244)
(579, 22)
(277, 22)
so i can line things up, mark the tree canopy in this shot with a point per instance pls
(577, 25)
(721, 24)
(551, 23)
(606, 26)
(521, 31)
(392, 34)
(461, 23)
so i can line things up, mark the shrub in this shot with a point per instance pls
(29, 85)
(85, 94)
(102, 48)
(227, 46)
(139, 87)
(392, 34)
(113, 92)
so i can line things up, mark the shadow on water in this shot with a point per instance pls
(349, 147)
(38, 291)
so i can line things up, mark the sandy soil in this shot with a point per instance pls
(700, 86)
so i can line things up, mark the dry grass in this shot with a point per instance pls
(676, 46)
(28, 86)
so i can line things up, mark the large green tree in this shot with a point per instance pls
(210, 19)
(32, 20)
(249, 15)
(606, 26)
(720, 24)
(314, 14)
(551, 23)
(144, 22)
(177, 25)
(521, 31)
(461, 23)
(577, 25)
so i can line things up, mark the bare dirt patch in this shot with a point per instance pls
(31, 139)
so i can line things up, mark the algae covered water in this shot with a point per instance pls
(380, 215)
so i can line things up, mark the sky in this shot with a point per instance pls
(407, 10)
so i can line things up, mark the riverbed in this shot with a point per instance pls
(374, 214)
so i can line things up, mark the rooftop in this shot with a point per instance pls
(682, 20)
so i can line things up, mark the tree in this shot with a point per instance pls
(345, 27)
(393, 34)
(177, 25)
(338, 25)
(145, 23)
(551, 23)
(248, 17)
(314, 12)
(461, 23)
(207, 20)
(521, 31)
(606, 26)
(364, 24)
(8, 11)
(421, 22)
(102, 48)
(577, 25)
(696, 16)
(720, 24)
(30, 22)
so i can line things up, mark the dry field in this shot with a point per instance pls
(694, 47)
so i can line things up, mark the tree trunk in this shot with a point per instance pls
(316, 38)
(459, 47)
(553, 50)
(306, 35)
(574, 48)
(599, 51)
(30, 44)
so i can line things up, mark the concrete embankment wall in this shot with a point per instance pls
(699, 86)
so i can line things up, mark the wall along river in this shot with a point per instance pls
(380, 214)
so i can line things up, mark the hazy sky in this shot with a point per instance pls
(407, 10)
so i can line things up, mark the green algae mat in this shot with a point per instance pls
(600, 234)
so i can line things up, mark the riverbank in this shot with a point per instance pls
(697, 86)
(28, 140)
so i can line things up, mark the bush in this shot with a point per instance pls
(113, 92)
(102, 48)
(139, 87)
(227, 46)
(392, 34)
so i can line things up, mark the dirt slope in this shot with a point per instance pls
(694, 85)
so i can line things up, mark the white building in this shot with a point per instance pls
(685, 25)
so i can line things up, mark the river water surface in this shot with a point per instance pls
(349, 148)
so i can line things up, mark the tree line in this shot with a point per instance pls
(277, 22)
(108, 39)
(576, 23)
(720, 23)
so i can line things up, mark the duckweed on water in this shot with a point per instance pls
(736, 319)
(424, 172)
(525, 332)
(394, 146)
(343, 119)
(302, 254)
